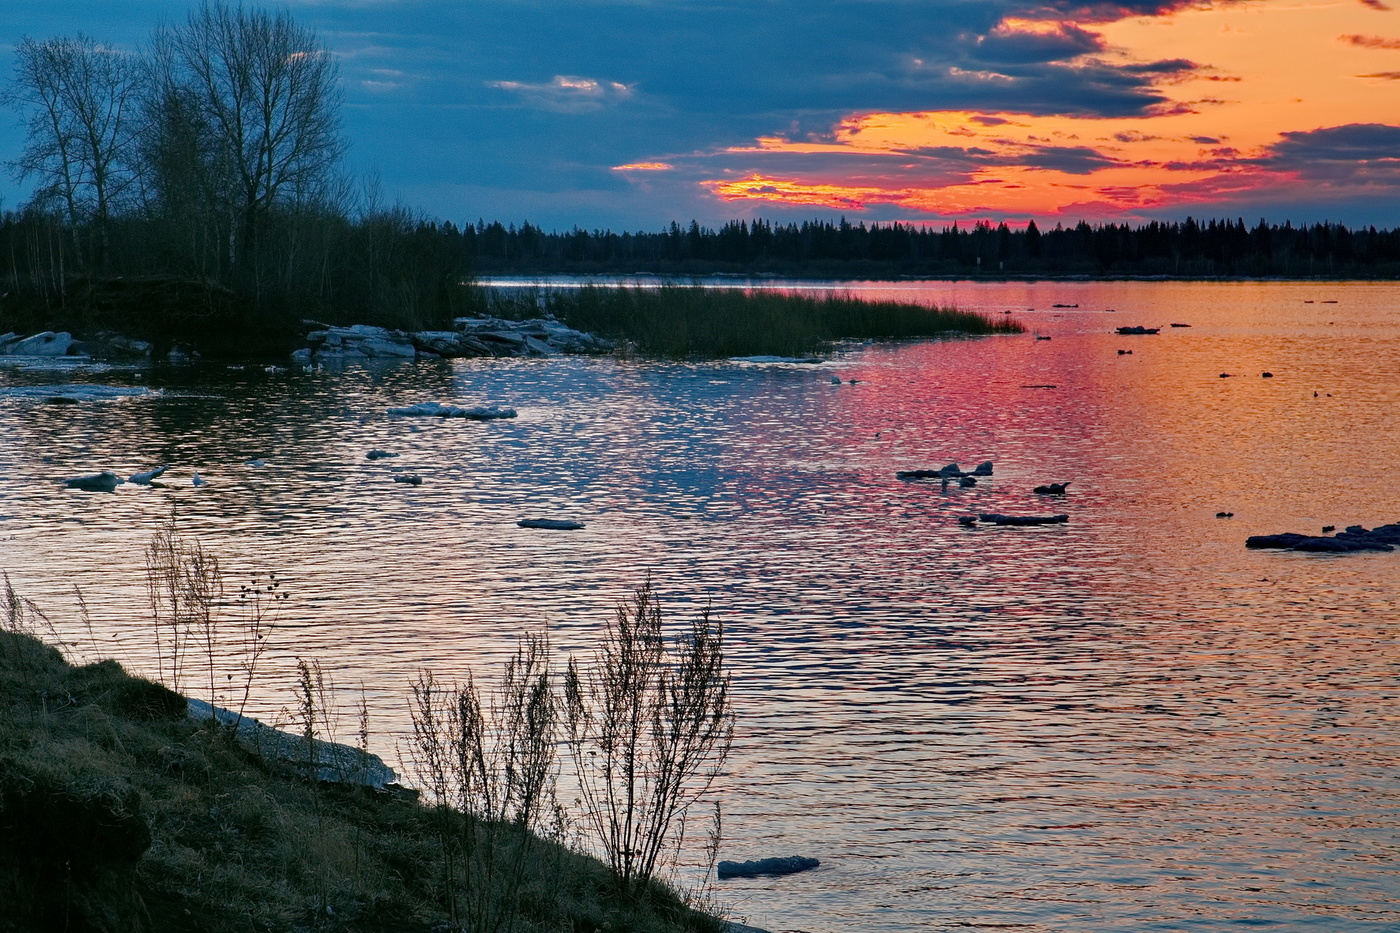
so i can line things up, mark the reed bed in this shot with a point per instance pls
(685, 322)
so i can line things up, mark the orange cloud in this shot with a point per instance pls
(1195, 147)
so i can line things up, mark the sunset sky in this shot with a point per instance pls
(633, 113)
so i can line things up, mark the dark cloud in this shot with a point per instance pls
(1371, 42)
(1356, 154)
(1048, 43)
(1383, 75)
(1107, 12)
(1205, 140)
(502, 107)
(1376, 5)
(1073, 160)
(1168, 66)
(1354, 142)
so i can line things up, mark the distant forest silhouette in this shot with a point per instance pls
(1190, 249)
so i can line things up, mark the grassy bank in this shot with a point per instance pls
(118, 812)
(683, 322)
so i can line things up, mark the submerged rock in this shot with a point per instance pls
(1354, 538)
(378, 454)
(553, 524)
(106, 481)
(412, 479)
(1052, 489)
(766, 866)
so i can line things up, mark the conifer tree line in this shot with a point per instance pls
(197, 182)
(1189, 248)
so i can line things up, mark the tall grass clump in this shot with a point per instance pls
(118, 811)
(694, 322)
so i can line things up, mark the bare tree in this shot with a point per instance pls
(252, 99)
(81, 98)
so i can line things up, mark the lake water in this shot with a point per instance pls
(1128, 722)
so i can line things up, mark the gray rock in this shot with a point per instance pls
(387, 348)
(324, 761)
(766, 866)
(47, 343)
(983, 469)
(377, 454)
(412, 479)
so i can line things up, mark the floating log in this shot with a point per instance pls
(993, 518)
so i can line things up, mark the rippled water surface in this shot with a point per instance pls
(1126, 722)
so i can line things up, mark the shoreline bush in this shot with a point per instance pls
(118, 811)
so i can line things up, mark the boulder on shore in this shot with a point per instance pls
(324, 761)
(46, 343)
(472, 337)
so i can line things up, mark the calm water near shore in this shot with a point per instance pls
(1125, 723)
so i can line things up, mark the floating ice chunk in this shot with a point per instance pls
(439, 410)
(144, 479)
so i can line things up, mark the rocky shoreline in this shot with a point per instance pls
(470, 337)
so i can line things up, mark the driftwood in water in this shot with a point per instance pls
(993, 518)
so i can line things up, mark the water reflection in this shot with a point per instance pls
(1126, 722)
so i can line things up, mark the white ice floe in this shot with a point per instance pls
(144, 479)
(806, 360)
(76, 392)
(439, 410)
